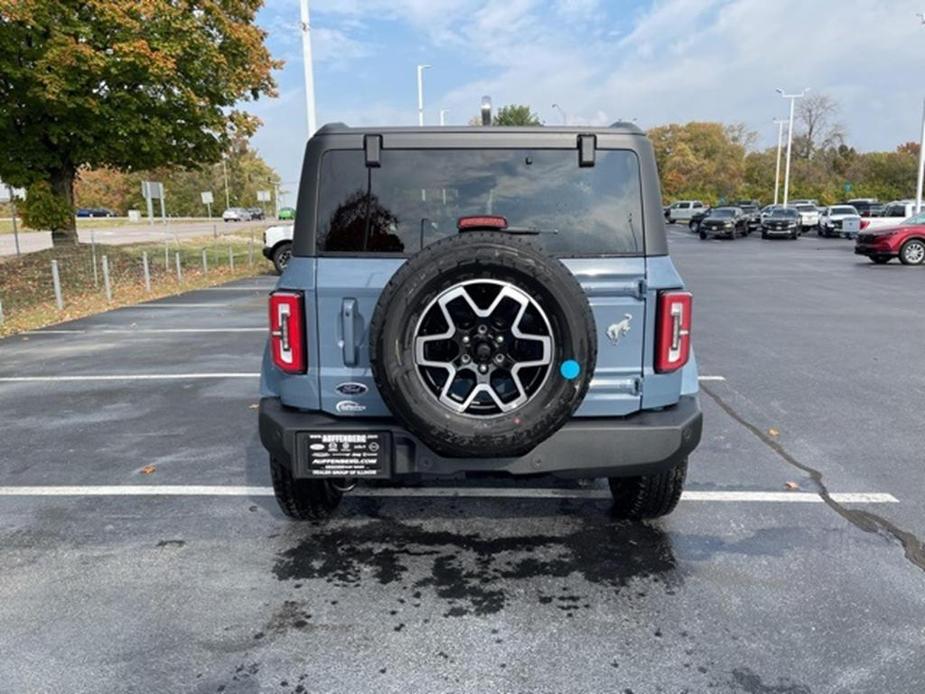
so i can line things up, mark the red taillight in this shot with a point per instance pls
(864, 224)
(287, 331)
(673, 334)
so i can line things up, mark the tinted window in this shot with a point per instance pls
(843, 210)
(895, 211)
(787, 214)
(417, 196)
(806, 208)
(722, 213)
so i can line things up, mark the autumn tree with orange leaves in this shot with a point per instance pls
(127, 84)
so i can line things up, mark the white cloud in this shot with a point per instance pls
(672, 60)
(710, 59)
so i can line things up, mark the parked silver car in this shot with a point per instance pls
(237, 214)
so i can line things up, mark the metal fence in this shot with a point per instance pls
(71, 279)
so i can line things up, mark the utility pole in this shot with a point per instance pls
(421, 69)
(307, 68)
(793, 98)
(562, 111)
(780, 143)
(443, 112)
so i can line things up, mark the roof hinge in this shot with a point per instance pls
(587, 144)
(372, 144)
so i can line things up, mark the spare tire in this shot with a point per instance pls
(483, 345)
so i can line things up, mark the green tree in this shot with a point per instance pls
(700, 160)
(515, 114)
(128, 84)
(42, 209)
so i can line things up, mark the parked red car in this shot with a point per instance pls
(905, 241)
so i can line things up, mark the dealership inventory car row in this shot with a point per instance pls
(882, 232)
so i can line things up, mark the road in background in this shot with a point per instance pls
(531, 586)
(141, 232)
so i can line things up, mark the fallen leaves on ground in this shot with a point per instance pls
(148, 469)
(791, 485)
(773, 432)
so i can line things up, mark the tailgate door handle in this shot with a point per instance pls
(348, 312)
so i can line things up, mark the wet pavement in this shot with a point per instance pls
(409, 592)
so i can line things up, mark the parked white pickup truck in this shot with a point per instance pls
(893, 213)
(839, 220)
(277, 245)
(809, 215)
(683, 210)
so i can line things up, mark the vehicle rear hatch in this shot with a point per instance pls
(370, 218)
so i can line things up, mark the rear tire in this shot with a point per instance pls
(281, 257)
(703, 236)
(912, 252)
(303, 499)
(764, 235)
(648, 496)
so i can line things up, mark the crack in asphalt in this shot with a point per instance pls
(869, 522)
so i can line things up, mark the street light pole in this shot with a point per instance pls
(793, 98)
(780, 143)
(307, 67)
(421, 69)
(443, 112)
(562, 111)
(918, 189)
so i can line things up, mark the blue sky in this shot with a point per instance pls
(657, 61)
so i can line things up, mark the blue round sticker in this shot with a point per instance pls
(569, 369)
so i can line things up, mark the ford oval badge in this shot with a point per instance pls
(351, 388)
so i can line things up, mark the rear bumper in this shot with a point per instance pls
(643, 443)
(875, 249)
(267, 252)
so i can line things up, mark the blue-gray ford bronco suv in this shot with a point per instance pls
(479, 300)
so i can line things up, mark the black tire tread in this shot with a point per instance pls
(277, 253)
(648, 496)
(303, 499)
(902, 252)
(449, 255)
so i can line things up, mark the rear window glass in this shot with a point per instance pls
(722, 213)
(843, 210)
(417, 196)
(790, 213)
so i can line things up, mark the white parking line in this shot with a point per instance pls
(711, 378)
(140, 331)
(255, 288)
(442, 492)
(125, 377)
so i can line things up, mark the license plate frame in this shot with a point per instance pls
(344, 454)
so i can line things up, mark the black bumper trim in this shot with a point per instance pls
(644, 443)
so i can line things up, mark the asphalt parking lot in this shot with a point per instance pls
(166, 566)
